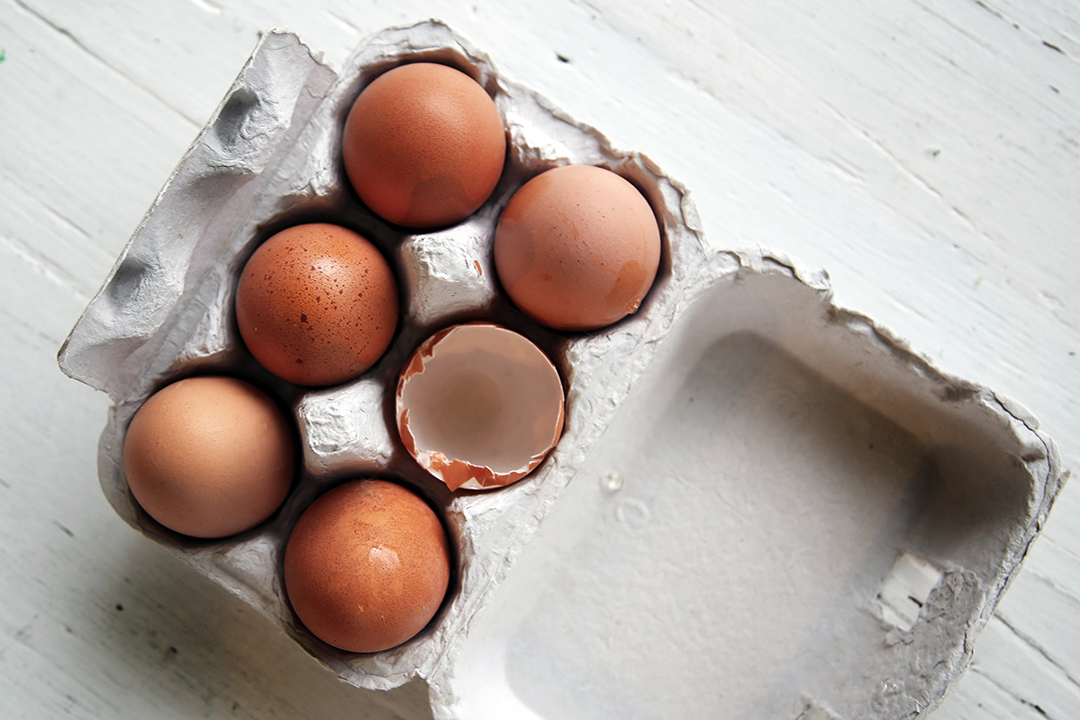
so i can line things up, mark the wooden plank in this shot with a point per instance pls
(1009, 678)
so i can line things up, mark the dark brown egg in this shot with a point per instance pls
(209, 456)
(424, 145)
(367, 566)
(317, 304)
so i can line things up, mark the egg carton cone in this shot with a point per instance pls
(762, 504)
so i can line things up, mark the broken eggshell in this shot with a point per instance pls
(479, 406)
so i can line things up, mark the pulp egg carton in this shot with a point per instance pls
(762, 505)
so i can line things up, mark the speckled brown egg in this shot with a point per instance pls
(367, 566)
(317, 304)
(209, 456)
(577, 248)
(424, 145)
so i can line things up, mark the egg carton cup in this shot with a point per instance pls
(761, 503)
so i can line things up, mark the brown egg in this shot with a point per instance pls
(424, 145)
(317, 304)
(209, 456)
(577, 248)
(479, 406)
(367, 566)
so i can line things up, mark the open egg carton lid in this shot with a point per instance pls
(762, 505)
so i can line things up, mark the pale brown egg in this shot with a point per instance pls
(479, 406)
(577, 248)
(367, 566)
(424, 145)
(317, 304)
(209, 456)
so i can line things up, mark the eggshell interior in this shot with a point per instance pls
(479, 406)
(713, 519)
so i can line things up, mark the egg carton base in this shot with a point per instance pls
(744, 468)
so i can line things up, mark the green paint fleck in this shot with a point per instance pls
(3, 55)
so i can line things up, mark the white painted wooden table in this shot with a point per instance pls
(926, 153)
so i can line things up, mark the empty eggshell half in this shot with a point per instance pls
(479, 406)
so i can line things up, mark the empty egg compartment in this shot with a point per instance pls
(790, 516)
